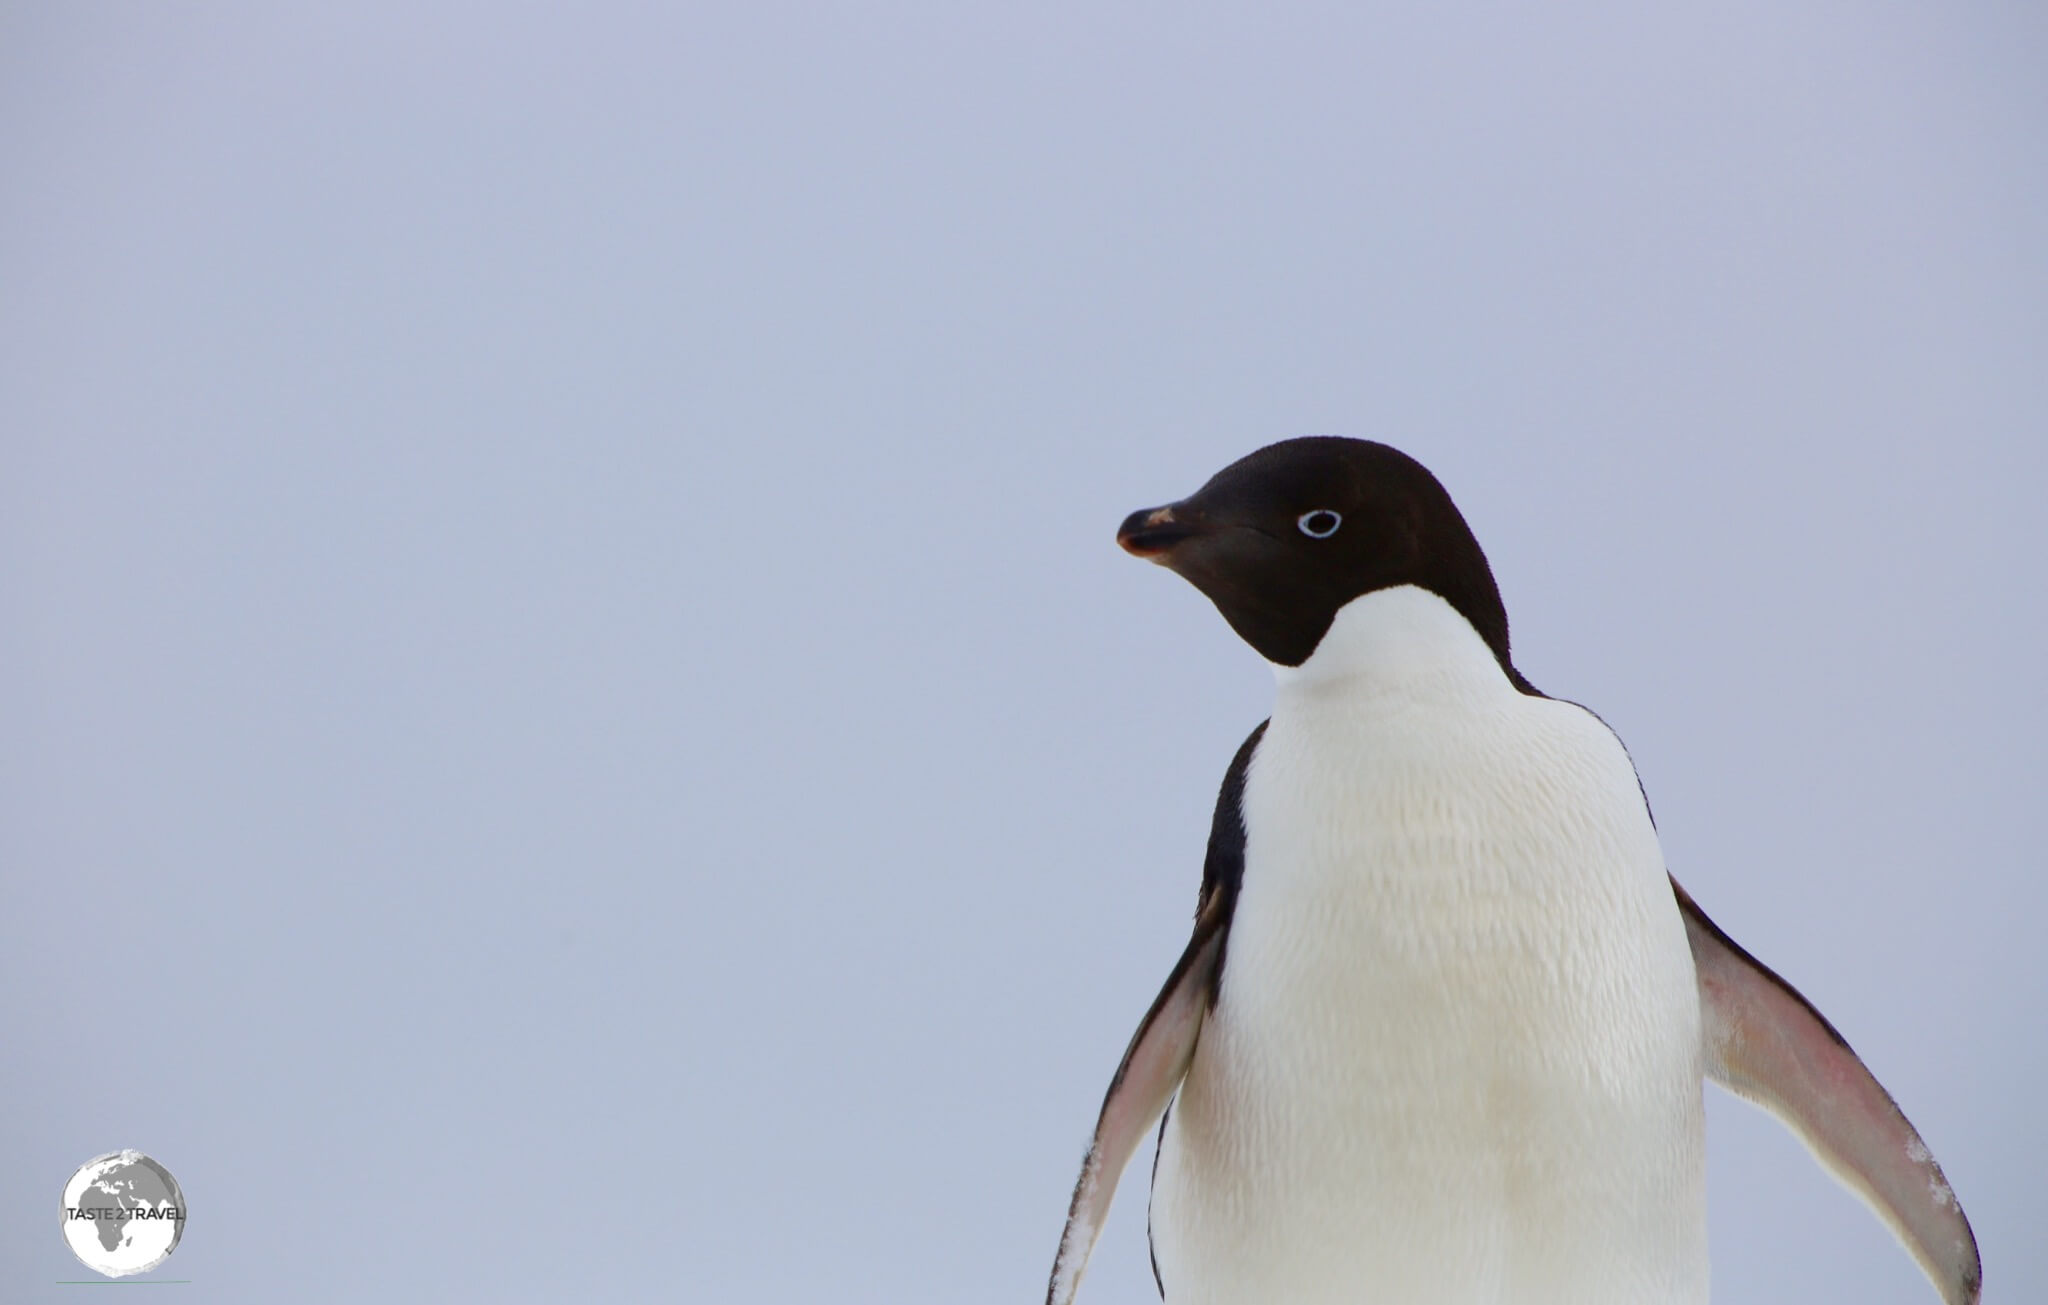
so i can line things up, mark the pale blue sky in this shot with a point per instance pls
(573, 726)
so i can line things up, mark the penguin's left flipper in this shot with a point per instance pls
(1152, 1068)
(1767, 1044)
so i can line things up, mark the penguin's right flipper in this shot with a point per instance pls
(1768, 1044)
(1152, 1069)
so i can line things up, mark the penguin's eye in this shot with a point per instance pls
(1319, 524)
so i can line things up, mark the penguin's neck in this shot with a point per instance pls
(1404, 641)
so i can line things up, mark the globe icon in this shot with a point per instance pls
(123, 1213)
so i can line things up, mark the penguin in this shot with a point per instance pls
(1441, 1029)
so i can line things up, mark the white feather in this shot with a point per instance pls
(1457, 1056)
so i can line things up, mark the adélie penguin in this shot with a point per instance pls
(1441, 1029)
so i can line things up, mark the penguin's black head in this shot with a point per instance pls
(1282, 539)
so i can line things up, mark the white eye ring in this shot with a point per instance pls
(1319, 524)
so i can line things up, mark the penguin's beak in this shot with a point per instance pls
(1151, 533)
(1252, 577)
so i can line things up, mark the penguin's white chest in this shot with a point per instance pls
(1456, 1053)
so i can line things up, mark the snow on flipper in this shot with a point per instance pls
(1152, 1068)
(1767, 1044)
